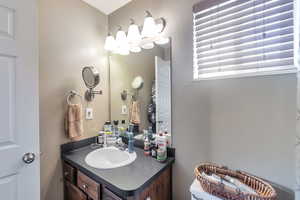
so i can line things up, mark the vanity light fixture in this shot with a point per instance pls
(122, 46)
(149, 28)
(110, 43)
(135, 39)
(134, 36)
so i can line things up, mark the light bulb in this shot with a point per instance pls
(149, 45)
(134, 36)
(110, 43)
(149, 28)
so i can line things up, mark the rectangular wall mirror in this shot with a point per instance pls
(140, 93)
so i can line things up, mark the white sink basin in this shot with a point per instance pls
(109, 158)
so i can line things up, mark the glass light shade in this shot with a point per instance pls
(149, 45)
(110, 43)
(122, 43)
(162, 41)
(135, 49)
(159, 27)
(134, 36)
(121, 38)
(149, 28)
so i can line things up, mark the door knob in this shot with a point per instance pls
(28, 158)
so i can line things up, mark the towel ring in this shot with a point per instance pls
(72, 94)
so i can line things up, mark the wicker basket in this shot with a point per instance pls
(263, 189)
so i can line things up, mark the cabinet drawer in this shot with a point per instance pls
(89, 186)
(108, 195)
(69, 173)
(73, 193)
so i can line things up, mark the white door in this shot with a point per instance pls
(163, 94)
(19, 132)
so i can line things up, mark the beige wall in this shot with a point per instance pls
(245, 123)
(71, 37)
(123, 69)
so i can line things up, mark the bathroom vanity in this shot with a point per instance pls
(144, 179)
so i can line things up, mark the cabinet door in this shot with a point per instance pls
(89, 186)
(159, 189)
(73, 193)
(69, 173)
(108, 195)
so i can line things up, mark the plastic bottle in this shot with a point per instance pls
(161, 142)
(130, 140)
(116, 128)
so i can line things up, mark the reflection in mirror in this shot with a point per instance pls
(141, 89)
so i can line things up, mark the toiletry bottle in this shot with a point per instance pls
(107, 127)
(153, 150)
(122, 128)
(147, 146)
(116, 128)
(100, 138)
(130, 139)
(161, 142)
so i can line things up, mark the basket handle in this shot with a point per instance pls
(224, 167)
(195, 197)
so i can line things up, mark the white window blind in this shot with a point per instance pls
(236, 38)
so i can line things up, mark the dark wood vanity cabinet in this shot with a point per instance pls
(73, 193)
(78, 186)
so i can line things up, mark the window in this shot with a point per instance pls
(237, 38)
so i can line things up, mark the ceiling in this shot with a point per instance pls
(107, 6)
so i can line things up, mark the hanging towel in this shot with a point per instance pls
(73, 121)
(135, 113)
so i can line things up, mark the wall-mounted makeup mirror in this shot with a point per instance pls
(141, 89)
(91, 79)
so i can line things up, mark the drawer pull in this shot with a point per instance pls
(85, 187)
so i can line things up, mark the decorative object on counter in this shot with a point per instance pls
(91, 79)
(263, 190)
(73, 118)
(152, 33)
